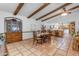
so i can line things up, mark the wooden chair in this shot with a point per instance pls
(36, 39)
(53, 33)
(60, 33)
(76, 43)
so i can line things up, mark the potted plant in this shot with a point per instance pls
(3, 49)
(73, 34)
(1, 37)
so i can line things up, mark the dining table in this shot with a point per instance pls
(44, 36)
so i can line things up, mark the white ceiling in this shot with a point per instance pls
(28, 8)
(61, 10)
(47, 9)
(65, 19)
(8, 7)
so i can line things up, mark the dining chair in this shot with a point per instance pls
(36, 39)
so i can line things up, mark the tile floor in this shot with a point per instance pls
(58, 47)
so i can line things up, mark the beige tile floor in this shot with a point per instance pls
(58, 47)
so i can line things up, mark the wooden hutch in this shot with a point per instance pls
(13, 29)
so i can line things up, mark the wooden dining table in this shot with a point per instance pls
(44, 36)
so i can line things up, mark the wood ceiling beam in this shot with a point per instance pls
(39, 9)
(66, 4)
(60, 13)
(74, 7)
(51, 17)
(20, 5)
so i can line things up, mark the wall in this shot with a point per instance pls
(27, 24)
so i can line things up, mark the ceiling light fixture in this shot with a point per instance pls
(64, 14)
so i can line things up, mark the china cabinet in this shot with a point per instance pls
(13, 29)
